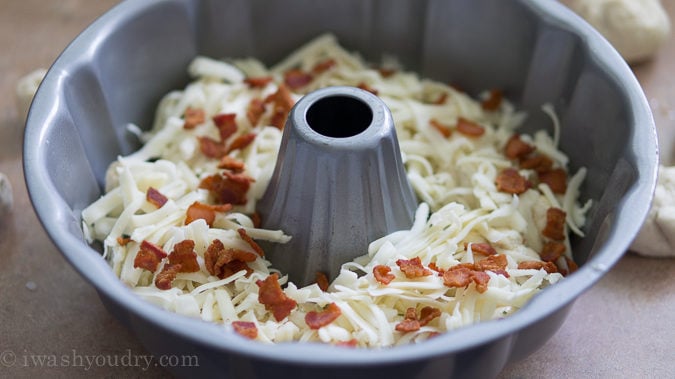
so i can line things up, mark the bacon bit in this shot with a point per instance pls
(273, 297)
(228, 188)
(427, 314)
(193, 117)
(410, 323)
(386, 72)
(412, 268)
(461, 276)
(228, 162)
(165, 277)
(241, 142)
(283, 102)
(245, 329)
(552, 250)
(123, 240)
(258, 81)
(493, 101)
(322, 281)
(223, 262)
(510, 181)
(549, 267)
(517, 148)
(323, 66)
(254, 111)
(184, 255)
(555, 224)
(443, 129)
(226, 124)
(207, 212)
(556, 180)
(539, 163)
(492, 263)
(250, 241)
(155, 197)
(383, 274)
(316, 320)
(364, 86)
(571, 265)
(211, 148)
(434, 267)
(351, 343)
(255, 218)
(502, 273)
(482, 248)
(441, 99)
(469, 128)
(296, 79)
(148, 257)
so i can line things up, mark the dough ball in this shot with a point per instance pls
(636, 28)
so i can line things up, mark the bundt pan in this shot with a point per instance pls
(537, 51)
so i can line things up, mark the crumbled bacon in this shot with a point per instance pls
(482, 248)
(296, 79)
(228, 188)
(412, 268)
(364, 86)
(255, 218)
(322, 281)
(250, 241)
(273, 297)
(386, 72)
(461, 276)
(555, 224)
(254, 111)
(184, 255)
(211, 148)
(539, 163)
(443, 129)
(350, 343)
(246, 329)
(155, 197)
(427, 314)
(228, 162)
(549, 267)
(282, 103)
(165, 277)
(469, 128)
(206, 212)
(123, 240)
(493, 101)
(226, 124)
(383, 274)
(510, 181)
(148, 257)
(517, 148)
(241, 142)
(441, 99)
(410, 323)
(434, 267)
(552, 250)
(556, 180)
(193, 117)
(258, 81)
(316, 320)
(571, 266)
(323, 66)
(224, 262)
(492, 263)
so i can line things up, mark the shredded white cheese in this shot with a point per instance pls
(454, 178)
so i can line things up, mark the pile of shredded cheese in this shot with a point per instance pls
(453, 174)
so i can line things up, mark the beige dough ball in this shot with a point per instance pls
(636, 28)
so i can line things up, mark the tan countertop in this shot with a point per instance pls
(52, 322)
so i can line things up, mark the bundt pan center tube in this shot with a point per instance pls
(338, 183)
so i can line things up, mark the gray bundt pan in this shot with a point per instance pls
(535, 50)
